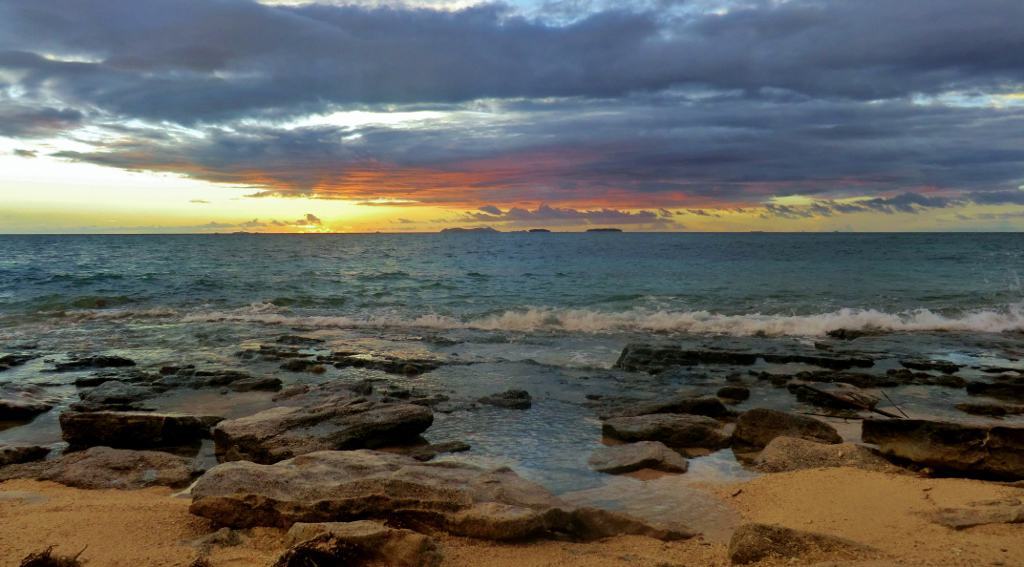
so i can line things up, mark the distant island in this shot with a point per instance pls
(538, 230)
(476, 229)
(604, 230)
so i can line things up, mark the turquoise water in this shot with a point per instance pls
(788, 284)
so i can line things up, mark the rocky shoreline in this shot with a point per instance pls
(342, 469)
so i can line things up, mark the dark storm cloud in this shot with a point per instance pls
(196, 60)
(24, 121)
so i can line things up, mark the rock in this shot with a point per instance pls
(1005, 511)
(428, 452)
(133, 429)
(353, 543)
(116, 395)
(286, 431)
(389, 364)
(11, 360)
(754, 542)
(943, 366)
(103, 467)
(295, 340)
(265, 384)
(88, 362)
(834, 395)
(20, 402)
(992, 410)
(733, 393)
(619, 459)
(458, 498)
(757, 427)
(1001, 390)
(303, 365)
(17, 454)
(784, 454)
(850, 334)
(674, 430)
(707, 406)
(511, 399)
(972, 450)
(905, 376)
(830, 362)
(654, 359)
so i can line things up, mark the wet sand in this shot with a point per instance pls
(879, 510)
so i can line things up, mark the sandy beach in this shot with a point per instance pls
(882, 511)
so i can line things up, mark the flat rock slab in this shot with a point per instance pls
(511, 399)
(332, 486)
(785, 454)
(131, 429)
(17, 454)
(351, 543)
(709, 406)
(972, 450)
(344, 423)
(19, 402)
(755, 542)
(619, 459)
(757, 427)
(103, 467)
(1006, 511)
(674, 430)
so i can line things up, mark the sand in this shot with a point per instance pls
(153, 527)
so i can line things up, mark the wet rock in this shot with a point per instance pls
(116, 395)
(1005, 511)
(991, 410)
(356, 543)
(943, 366)
(511, 399)
(303, 365)
(295, 340)
(709, 406)
(905, 376)
(619, 459)
(757, 427)
(657, 358)
(252, 384)
(20, 402)
(430, 451)
(389, 364)
(286, 431)
(754, 542)
(834, 395)
(1001, 390)
(830, 362)
(133, 429)
(85, 363)
(17, 454)
(11, 360)
(103, 467)
(674, 430)
(784, 454)
(734, 393)
(235, 380)
(971, 450)
(458, 498)
(850, 334)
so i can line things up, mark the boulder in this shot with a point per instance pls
(87, 362)
(356, 543)
(784, 454)
(461, 499)
(103, 467)
(511, 399)
(20, 402)
(17, 454)
(342, 423)
(709, 406)
(674, 430)
(972, 450)
(757, 427)
(618, 459)
(129, 429)
(1005, 511)
(755, 542)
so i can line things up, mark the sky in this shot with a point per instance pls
(167, 116)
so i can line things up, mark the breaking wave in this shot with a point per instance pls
(1010, 318)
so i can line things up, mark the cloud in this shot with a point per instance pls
(199, 202)
(548, 215)
(25, 153)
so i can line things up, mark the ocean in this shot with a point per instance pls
(545, 312)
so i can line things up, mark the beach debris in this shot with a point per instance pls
(970, 450)
(353, 543)
(510, 399)
(134, 429)
(754, 542)
(630, 457)
(458, 498)
(674, 430)
(339, 421)
(757, 427)
(46, 558)
(784, 454)
(105, 468)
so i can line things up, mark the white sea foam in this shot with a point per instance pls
(1010, 318)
